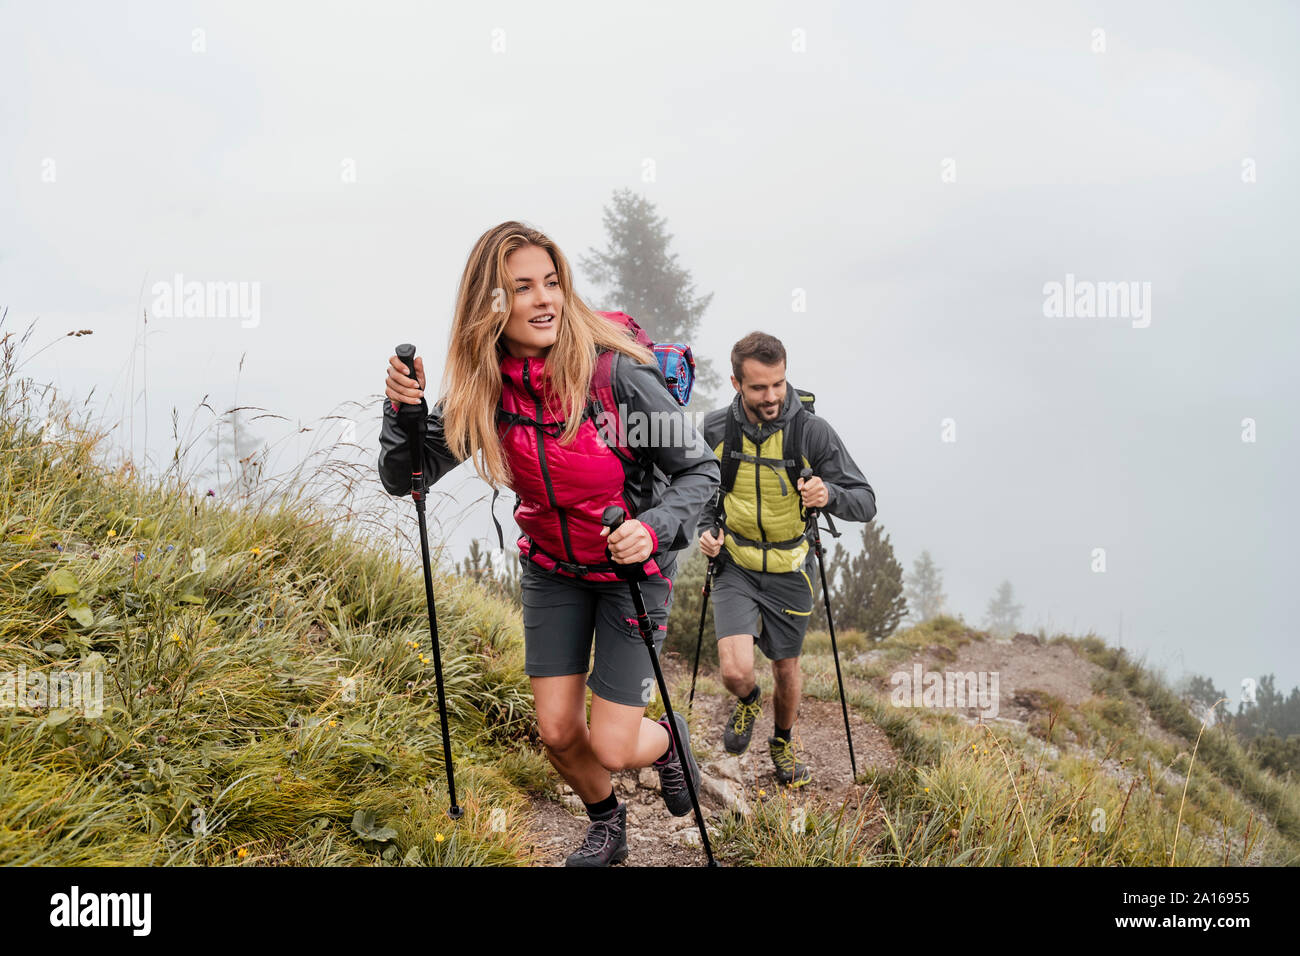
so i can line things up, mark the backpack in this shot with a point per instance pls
(676, 365)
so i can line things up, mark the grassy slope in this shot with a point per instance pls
(229, 736)
(1000, 794)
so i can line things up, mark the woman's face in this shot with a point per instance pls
(537, 294)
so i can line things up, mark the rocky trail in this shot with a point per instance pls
(1032, 674)
(730, 784)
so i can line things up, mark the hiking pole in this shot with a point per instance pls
(632, 573)
(813, 514)
(704, 610)
(413, 419)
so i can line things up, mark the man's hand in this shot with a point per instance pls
(710, 545)
(812, 490)
(399, 386)
(631, 543)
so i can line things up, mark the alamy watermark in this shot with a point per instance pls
(1085, 299)
(916, 688)
(57, 690)
(179, 299)
(75, 908)
(633, 428)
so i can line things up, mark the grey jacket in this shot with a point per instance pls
(850, 496)
(668, 483)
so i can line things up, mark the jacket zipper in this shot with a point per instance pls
(541, 460)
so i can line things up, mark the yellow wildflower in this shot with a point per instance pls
(112, 533)
(438, 838)
(243, 852)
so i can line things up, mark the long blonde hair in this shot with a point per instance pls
(471, 381)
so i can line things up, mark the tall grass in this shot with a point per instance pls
(1003, 795)
(1227, 760)
(268, 683)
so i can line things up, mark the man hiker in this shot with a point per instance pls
(762, 589)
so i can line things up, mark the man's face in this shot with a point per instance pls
(762, 390)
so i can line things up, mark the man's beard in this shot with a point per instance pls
(760, 413)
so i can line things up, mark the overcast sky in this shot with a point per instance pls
(921, 171)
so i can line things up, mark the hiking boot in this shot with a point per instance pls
(789, 771)
(740, 725)
(606, 840)
(672, 782)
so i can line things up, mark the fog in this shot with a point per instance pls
(916, 174)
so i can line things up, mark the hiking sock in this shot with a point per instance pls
(753, 696)
(605, 806)
(667, 754)
(783, 734)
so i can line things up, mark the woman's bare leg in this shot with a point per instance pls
(622, 737)
(561, 708)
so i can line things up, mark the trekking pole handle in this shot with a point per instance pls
(713, 562)
(406, 411)
(412, 420)
(612, 517)
(717, 525)
(406, 352)
(805, 475)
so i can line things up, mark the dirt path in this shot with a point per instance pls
(655, 838)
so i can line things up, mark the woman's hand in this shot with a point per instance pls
(399, 386)
(630, 543)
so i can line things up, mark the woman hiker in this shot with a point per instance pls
(515, 399)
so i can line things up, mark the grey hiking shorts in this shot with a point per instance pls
(774, 608)
(564, 616)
